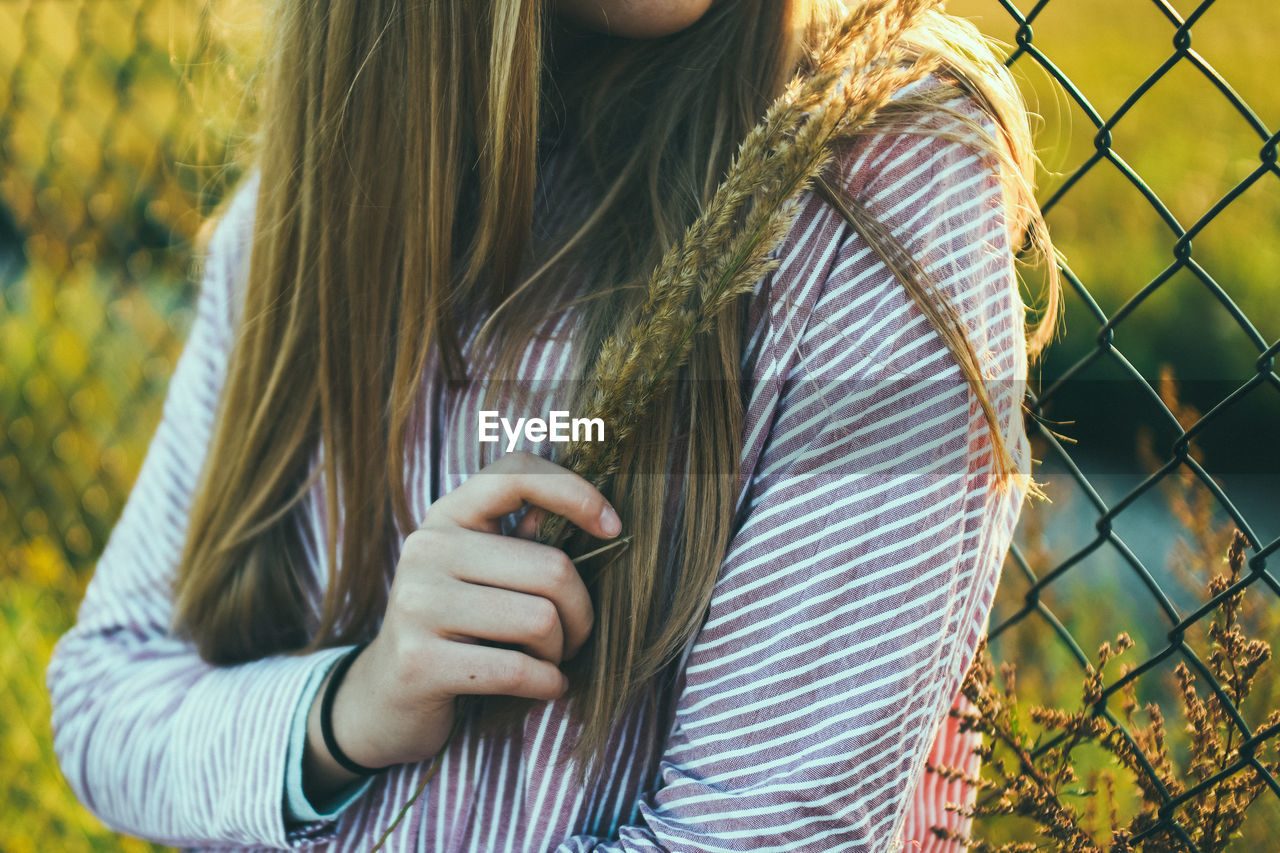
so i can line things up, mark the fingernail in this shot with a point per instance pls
(609, 521)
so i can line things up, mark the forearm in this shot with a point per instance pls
(161, 745)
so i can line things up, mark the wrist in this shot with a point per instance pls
(323, 775)
(327, 702)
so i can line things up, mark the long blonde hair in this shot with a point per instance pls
(399, 154)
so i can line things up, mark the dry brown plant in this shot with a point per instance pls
(1034, 773)
(1030, 759)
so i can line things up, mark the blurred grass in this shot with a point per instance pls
(119, 128)
(1191, 147)
(119, 124)
(1182, 137)
(38, 592)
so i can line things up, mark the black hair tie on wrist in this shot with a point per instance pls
(326, 715)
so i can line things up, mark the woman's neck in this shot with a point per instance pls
(570, 50)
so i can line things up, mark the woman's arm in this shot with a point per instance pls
(153, 740)
(855, 590)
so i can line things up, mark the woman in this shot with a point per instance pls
(454, 204)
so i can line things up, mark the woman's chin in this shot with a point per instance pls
(638, 19)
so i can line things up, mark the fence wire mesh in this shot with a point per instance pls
(118, 123)
(1209, 441)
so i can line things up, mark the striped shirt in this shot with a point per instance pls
(857, 584)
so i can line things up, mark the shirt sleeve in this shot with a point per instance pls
(861, 575)
(153, 740)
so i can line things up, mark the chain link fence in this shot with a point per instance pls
(1159, 438)
(1157, 416)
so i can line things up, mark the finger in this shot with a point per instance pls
(528, 567)
(483, 670)
(504, 616)
(520, 478)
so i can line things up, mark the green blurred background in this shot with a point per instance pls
(120, 125)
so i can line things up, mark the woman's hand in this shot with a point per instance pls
(460, 581)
